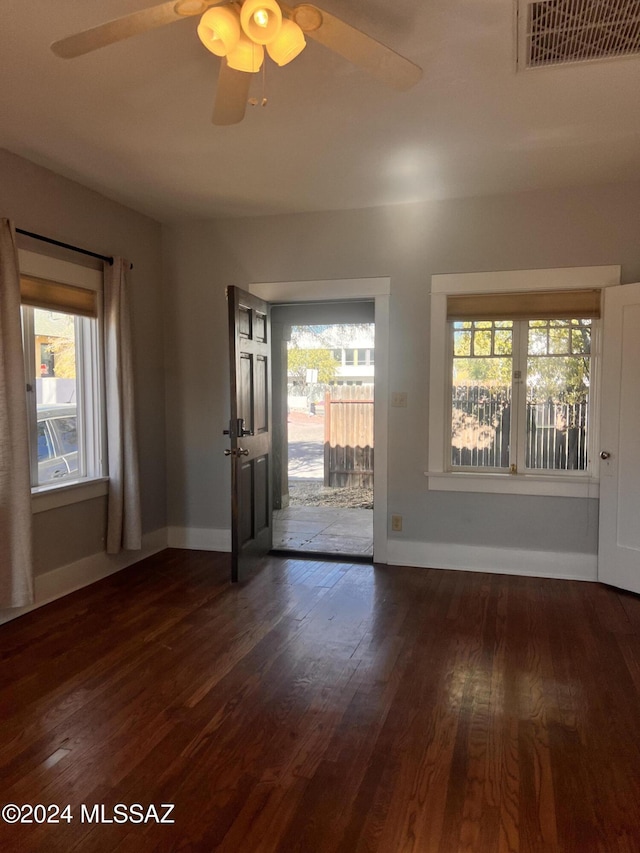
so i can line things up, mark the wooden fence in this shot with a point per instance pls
(556, 432)
(348, 436)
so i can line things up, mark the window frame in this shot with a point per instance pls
(439, 473)
(91, 481)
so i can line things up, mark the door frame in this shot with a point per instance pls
(335, 290)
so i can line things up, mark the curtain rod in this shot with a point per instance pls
(64, 245)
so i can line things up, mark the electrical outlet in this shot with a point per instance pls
(399, 399)
(396, 523)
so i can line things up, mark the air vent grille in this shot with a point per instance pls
(556, 32)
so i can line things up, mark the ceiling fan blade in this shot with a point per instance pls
(231, 95)
(129, 25)
(372, 56)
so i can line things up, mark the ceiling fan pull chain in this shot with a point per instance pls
(264, 85)
(254, 101)
(263, 100)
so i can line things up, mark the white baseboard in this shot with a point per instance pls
(88, 570)
(507, 561)
(434, 555)
(199, 538)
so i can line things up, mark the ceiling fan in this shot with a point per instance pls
(239, 31)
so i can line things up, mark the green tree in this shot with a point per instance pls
(483, 352)
(557, 365)
(301, 360)
(64, 351)
(483, 371)
(56, 331)
(565, 377)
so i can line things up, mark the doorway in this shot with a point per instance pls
(376, 290)
(324, 428)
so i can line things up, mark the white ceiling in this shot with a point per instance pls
(133, 120)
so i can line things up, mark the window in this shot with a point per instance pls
(520, 394)
(481, 393)
(63, 367)
(513, 381)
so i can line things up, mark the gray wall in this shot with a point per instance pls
(40, 201)
(409, 243)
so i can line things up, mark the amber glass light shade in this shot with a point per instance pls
(219, 30)
(246, 56)
(261, 20)
(289, 43)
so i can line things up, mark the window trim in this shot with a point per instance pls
(44, 498)
(66, 492)
(513, 281)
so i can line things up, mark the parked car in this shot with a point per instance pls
(57, 443)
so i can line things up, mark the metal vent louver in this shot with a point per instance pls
(557, 32)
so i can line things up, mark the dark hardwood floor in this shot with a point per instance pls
(325, 707)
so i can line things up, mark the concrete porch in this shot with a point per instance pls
(327, 530)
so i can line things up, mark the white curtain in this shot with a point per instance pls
(16, 560)
(123, 526)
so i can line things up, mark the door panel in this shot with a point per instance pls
(619, 541)
(244, 322)
(246, 509)
(245, 389)
(249, 431)
(261, 399)
(261, 488)
(260, 324)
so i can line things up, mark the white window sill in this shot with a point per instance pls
(515, 484)
(44, 498)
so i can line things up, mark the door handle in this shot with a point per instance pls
(604, 454)
(243, 451)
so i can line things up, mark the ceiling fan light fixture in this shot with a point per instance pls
(261, 20)
(246, 56)
(219, 30)
(289, 43)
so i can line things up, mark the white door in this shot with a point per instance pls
(619, 548)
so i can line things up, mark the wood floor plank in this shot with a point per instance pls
(326, 707)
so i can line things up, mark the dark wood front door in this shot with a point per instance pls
(249, 431)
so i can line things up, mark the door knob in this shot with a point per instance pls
(604, 454)
(242, 451)
(227, 452)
